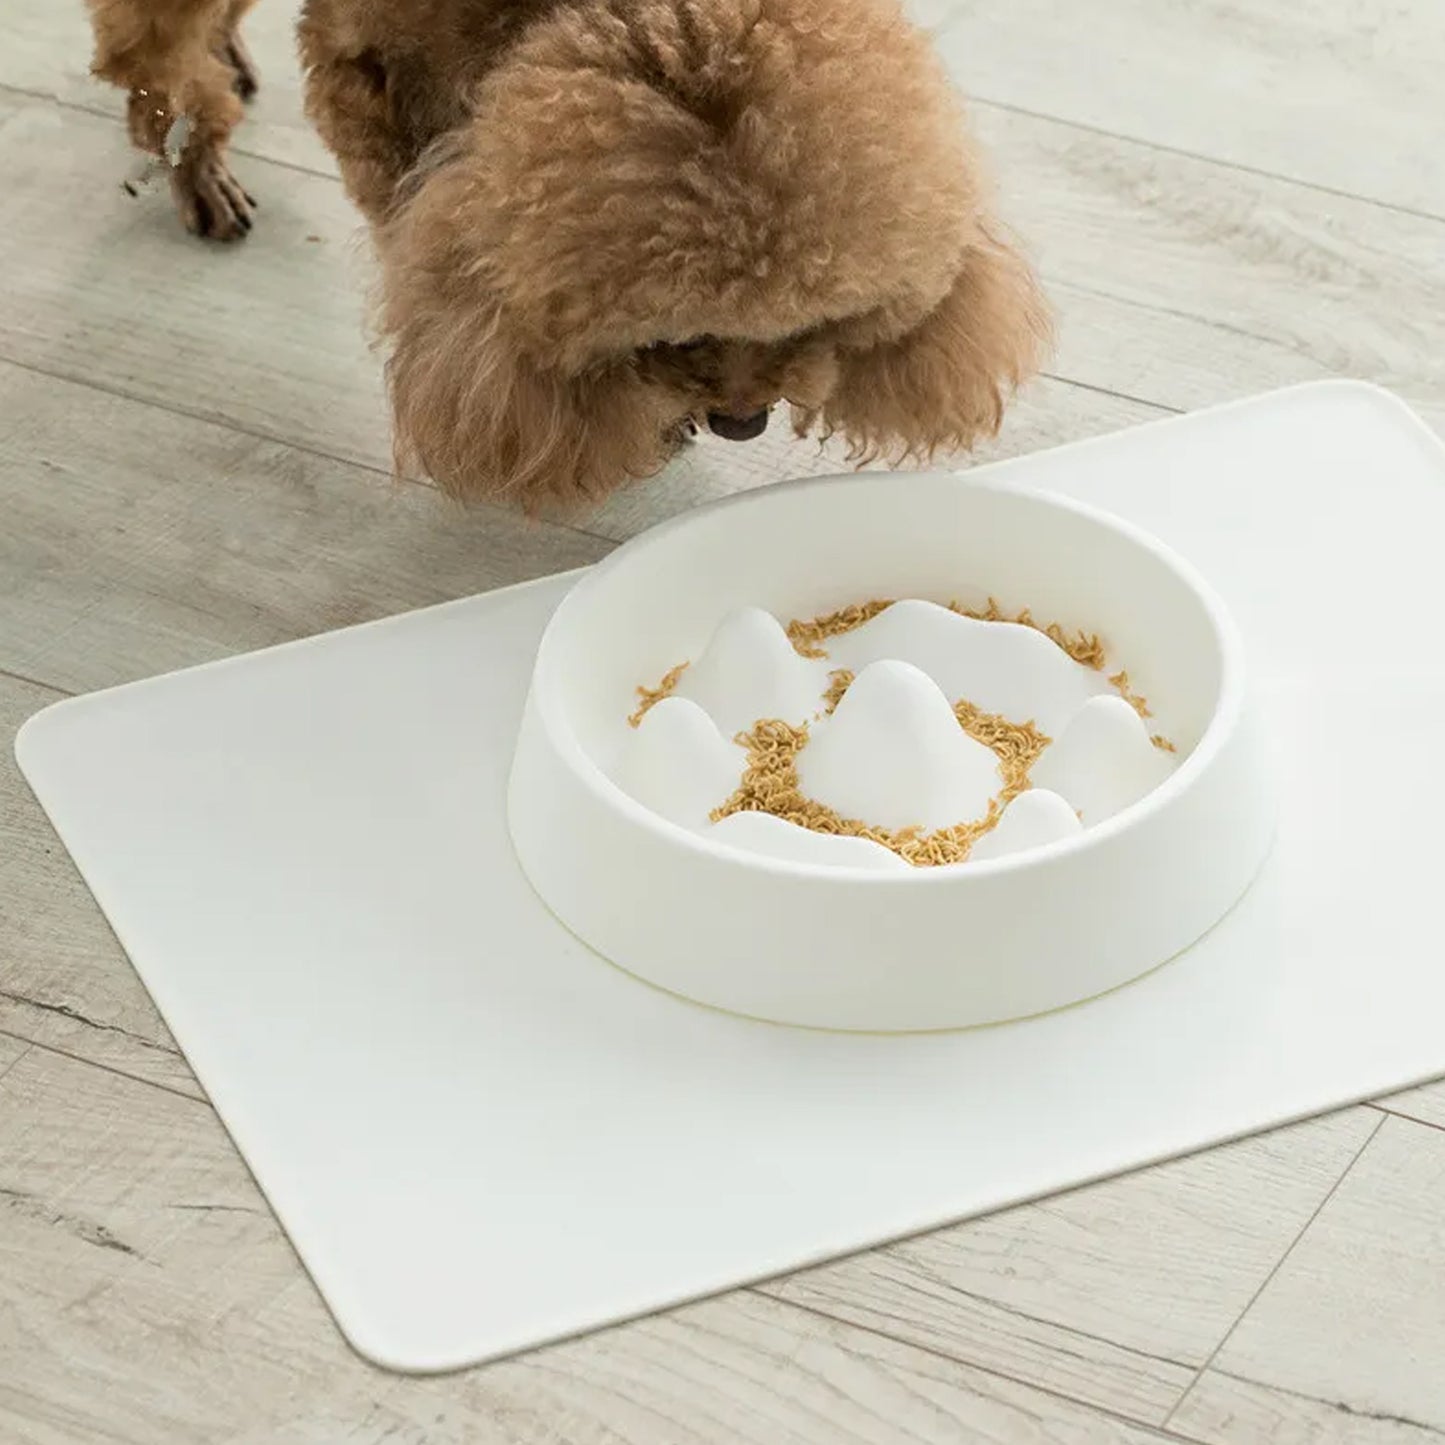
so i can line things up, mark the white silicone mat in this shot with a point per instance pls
(481, 1137)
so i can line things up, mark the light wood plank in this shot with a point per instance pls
(1345, 1342)
(266, 336)
(1425, 1104)
(11, 1051)
(1186, 283)
(1114, 1294)
(146, 1294)
(143, 1051)
(1340, 93)
(64, 981)
(138, 540)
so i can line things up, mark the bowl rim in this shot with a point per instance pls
(1223, 724)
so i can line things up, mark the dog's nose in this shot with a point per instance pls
(737, 428)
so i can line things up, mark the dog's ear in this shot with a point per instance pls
(472, 404)
(943, 385)
(485, 423)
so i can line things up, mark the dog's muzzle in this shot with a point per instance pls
(737, 428)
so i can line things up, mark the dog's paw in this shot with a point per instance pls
(212, 202)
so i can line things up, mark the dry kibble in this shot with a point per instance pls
(649, 697)
(769, 782)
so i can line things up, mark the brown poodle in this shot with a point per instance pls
(601, 222)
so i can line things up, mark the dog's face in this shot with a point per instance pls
(731, 386)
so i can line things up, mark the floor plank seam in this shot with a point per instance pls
(262, 437)
(979, 102)
(992, 1371)
(1390, 1113)
(1213, 323)
(194, 414)
(113, 1069)
(1278, 1265)
(28, 1045)
(1073, 1330)
(21, 677)
(1163, 408)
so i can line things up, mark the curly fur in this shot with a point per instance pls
(600, 219)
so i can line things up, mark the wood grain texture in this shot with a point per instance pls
(1185, 283)
(266, 336)
(1345, 1342)
(1227, 1410)
(12, 1050)
(1114, 1294)
(1425, 1104)
(64, 981)
(138, 540)
(146, 1295)
(1339, 93)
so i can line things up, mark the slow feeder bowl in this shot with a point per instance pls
(1135, 828)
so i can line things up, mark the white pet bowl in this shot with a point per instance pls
(847, 944)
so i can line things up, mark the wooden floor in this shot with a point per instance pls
(1223, 197)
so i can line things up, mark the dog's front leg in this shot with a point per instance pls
(234, 53)
(183, 104)
(211, 201)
